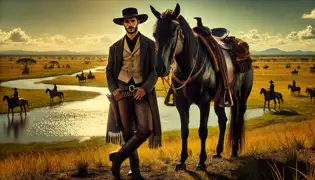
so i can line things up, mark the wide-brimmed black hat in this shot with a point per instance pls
(130, 12)
(15, 89)
(270, 81)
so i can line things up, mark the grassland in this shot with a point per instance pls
(10, 70)
(272, 141)
(38, 98)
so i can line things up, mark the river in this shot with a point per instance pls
(81, 119)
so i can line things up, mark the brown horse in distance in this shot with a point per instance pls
(293, 89)
(311, 92)
(54, 93)
(268, 97)
(12, 103)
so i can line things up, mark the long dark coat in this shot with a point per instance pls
(147, 61)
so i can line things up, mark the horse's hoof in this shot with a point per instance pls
(201, 167)
(217, 156)
(180, 167)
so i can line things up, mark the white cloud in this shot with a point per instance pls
(17, 35)
(295, 40)
(17, 39)
(309, 16)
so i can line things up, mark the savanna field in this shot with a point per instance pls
(278, 145)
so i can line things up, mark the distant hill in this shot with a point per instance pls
(21, 52)
(271, 51)
(276, 51)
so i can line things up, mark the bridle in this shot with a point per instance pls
(191, 77)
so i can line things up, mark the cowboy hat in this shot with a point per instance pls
(14, 89)
(130, 12)
(270, 81)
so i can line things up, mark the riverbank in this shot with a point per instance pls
(282, 144)
(10, 70)
(38, 98)
(99, 81)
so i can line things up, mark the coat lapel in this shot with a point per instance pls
(143, 50)
(119, 54)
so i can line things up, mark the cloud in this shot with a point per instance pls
(296, 40)
(307, 33)
(17, 39)
(17, 35)
(309, 16)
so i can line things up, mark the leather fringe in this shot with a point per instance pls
(155, 142)
(114, 138)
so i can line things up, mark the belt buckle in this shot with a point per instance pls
(132, 88)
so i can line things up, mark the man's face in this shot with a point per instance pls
(131, 24)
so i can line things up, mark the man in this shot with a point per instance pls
(82, 74)
(131, 64)
(16, 95)
(55, 88)
(272, 88)
(293, 84)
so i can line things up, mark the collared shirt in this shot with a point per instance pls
(132, 43)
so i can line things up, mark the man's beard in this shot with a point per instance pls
(134, 31)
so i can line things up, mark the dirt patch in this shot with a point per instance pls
(264, 166)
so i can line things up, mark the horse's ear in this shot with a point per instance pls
(176, 11)
(156, 13)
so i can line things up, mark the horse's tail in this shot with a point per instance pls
(236, 135)
(281, 98)
(26, 102)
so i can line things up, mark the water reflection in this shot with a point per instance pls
(82, 119)
(16, 125)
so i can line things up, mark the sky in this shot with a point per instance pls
(87, 25)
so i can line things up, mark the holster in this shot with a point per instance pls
(114, 105)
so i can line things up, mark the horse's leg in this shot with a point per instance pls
(21, 110)
(222, 119)
(275, 103)
(183, 109)
(265, 105)
(269, 105)
(203, 133)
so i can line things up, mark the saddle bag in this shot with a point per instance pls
(240, 54)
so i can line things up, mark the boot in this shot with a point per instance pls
(117, 158)
(134, 165)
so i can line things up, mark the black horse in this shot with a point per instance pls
(175, 40)
(12, 103)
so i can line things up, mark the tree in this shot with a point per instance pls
(25, 62)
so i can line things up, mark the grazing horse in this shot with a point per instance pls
(81, 78)
(293, 89)
(54, 93)
(91, 77)
(269, 97)
(12, 103)
(295, 71)
(176, 41)
(266, 67)
(311, 92)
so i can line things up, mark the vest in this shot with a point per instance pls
(131, 64)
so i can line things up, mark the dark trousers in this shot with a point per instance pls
(140, 110)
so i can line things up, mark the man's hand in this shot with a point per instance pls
(139, 93)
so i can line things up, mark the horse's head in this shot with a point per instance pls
(307, 90)
(5, 98)
(166, 34)
(47, 90)
(262, 90)
(289, 86)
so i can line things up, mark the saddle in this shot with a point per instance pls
(218, 43)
